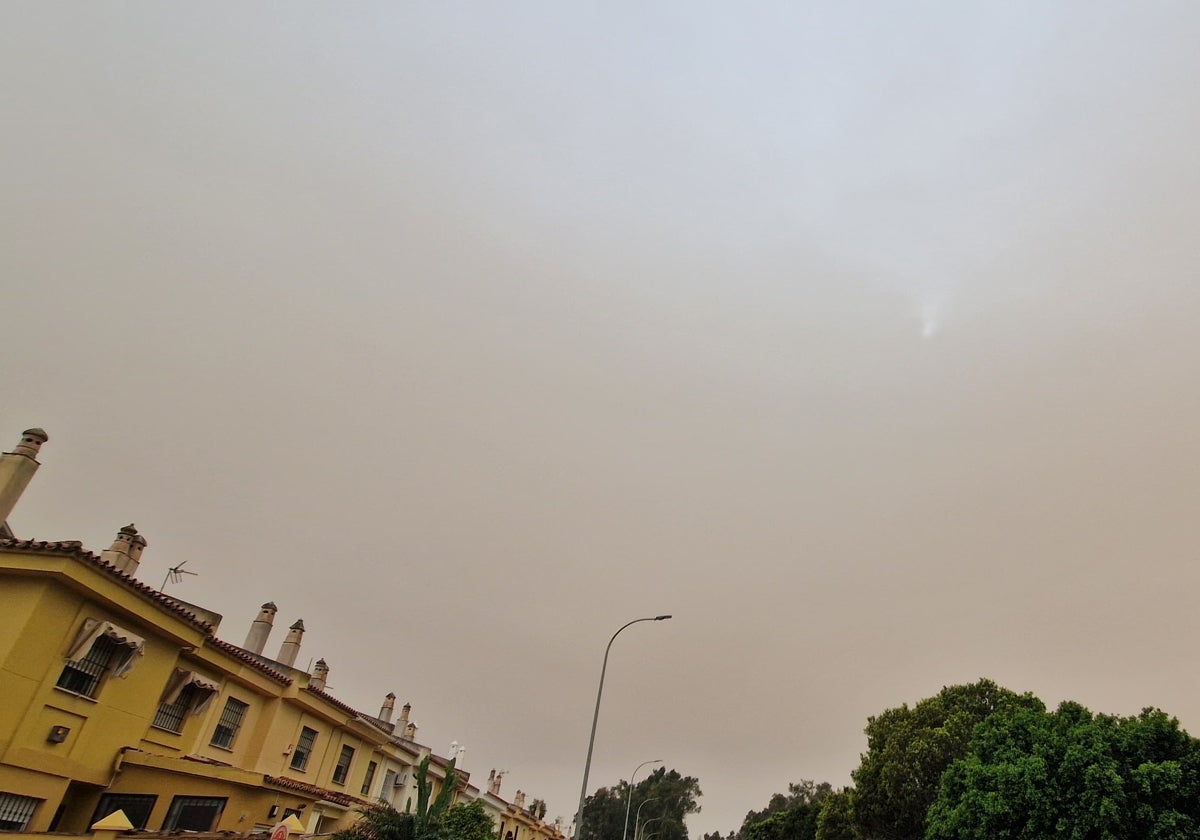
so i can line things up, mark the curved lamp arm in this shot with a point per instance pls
(629, 796)
(587, 766)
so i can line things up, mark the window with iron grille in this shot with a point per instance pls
(343, 766)
(228, 725)
(371, 767)
(170, 715)
(303, 749)
(83, 675)
(137, 807)
(16, 811)
(194, 813)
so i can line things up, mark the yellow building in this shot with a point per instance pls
(115, 696)
(514, 820)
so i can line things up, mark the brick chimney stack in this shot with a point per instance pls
(320, 675)
(260, 628)
(290, 648)
(126, 551)
(17, 468)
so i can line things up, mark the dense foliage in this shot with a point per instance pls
(979, 762)
(665, 798)
(1074, 775)
(432, 820)
(908, 749)
(468, 821)
(790, 816)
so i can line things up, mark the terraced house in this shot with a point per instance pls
(116, 696)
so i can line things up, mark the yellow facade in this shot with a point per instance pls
(114, 696)
(262, 744)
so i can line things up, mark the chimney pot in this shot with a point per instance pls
(31, 442)
(260, 628)
(17, 469)
(126, 551)
(389, 705)
(320, 675)
(290, 648)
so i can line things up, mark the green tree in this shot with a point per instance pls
(836, 820)
(468, 821)
(668, 797)
(1074, 775)
(790, 816)
(909, 749)
(380, 821)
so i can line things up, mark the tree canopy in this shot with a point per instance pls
(790, 816)
(468, 821)
(665, 798)
(1074, 775)
(908, 749)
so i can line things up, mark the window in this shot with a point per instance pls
(227, 726)
(343, 766)
(186, 692)
(137, 807)
(82, 676)
(99, 647)
(16, 811)
(303, 749)
(371, 767)
(194, 813)
(170, 715)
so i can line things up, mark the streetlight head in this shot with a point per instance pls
(661, 617)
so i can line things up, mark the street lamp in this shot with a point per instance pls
(638, 819)
(647, 823)
(587, 765)
(629, 795)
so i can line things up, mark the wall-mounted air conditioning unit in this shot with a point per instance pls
(401, 779)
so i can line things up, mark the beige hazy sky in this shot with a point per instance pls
(861, 337)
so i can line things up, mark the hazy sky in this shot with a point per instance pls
(861, 337)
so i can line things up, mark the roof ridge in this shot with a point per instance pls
(240, 654)
(75, 549)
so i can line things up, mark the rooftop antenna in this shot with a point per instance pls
(175, 575)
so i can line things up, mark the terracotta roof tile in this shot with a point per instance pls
(75, 549)
(241, 655)
(312, 790)
(333, 701)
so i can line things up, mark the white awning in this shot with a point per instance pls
(182, 679)
(93, 629)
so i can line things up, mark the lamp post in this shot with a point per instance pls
(638, 819)
(629, 796)
(647, 823)
(587, 765)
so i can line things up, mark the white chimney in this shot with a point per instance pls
(290, 648)
(260, 628)
(126, 551)
(389, 705)
(320, 675)
(17, 468)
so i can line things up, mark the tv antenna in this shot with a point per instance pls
(175, 575)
